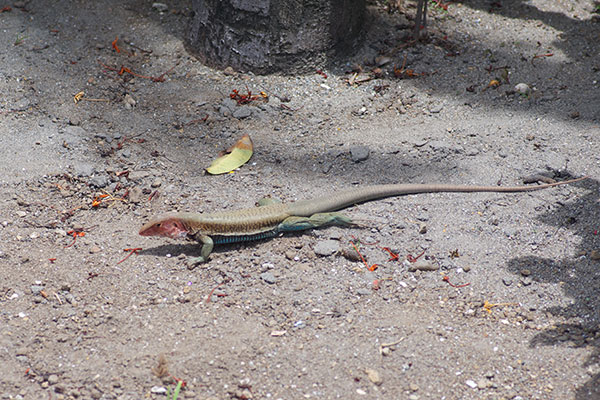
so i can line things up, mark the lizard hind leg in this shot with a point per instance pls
(318, 220)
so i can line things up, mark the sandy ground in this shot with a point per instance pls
(510, 313)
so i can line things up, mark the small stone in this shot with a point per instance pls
(470, 383)
(95, 249)
(435, 109)
(422, 228)
(53, 379)
(99, 181)
(84, 169)
(136, 195)
(34, 235)
(138, 175)
(482, 384)
(326, 248)
(229, 71)
(374, 376)
(525, 272)
(160, 7)
(290, 255)
(363, 291)
(36, 289)
(129, 101)
(21, 105)
(268, 278)
(422, 265)
(595, 255)
(466, 268)
(156, 183)
(22, 351)
(380, 61)
(359, 153)
(413, 397)
(574, 114)
(158, 390)
(242, 112)
(361, 392)
(350, 254)
(413, 387)
(522, 88)
(526, 281)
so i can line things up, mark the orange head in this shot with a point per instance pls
(167, 226)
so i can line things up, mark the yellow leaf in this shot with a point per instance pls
(235, 157)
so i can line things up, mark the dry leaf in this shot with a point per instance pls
(236, 156)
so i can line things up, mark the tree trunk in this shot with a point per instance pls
(265, 36)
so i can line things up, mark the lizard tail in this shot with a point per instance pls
(367, 193)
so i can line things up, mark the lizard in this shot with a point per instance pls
(271, 218)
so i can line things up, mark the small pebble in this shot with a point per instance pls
(129, 101)
(53, 379)
(229, 71)
(374, 376)
(526, 281)
(36, 289)
(160, 7)
(359, 153)
(522, 88)
(95, 249)
(326, 247)
(525, 272)
(136, 195)
(350, 254)
(435, 109)
(158, 390)
(242, 112)
(422, 265)
(268, 278)
(470, 383)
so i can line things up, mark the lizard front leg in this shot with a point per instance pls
(318, 220)
(207, 247)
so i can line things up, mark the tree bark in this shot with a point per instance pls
(265, 36)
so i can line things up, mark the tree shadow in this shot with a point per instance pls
(579, 279)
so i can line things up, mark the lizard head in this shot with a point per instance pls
(167, 226)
